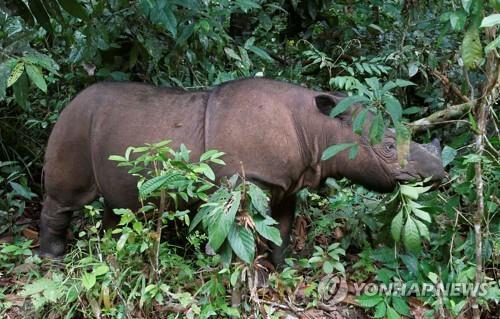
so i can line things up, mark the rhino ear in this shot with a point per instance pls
(325, 103)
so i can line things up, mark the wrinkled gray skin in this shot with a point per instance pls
(277, 131)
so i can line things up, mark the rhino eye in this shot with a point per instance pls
(390, 147)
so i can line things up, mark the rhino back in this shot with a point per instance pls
(107, 117)
(255, 122)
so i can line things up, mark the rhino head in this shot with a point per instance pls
(377, 167)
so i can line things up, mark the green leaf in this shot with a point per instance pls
(74, 8)
(122, 241)
(211, 154)
(16, 73)
(353, 152)
(117, 158)
(423, 229)
(232, 54)
(157, 182)
(170, 21)
(472, 50)
(377, 129)
(397, 226)
(264, 228)
(423, 215)
(226, 254)
(242, 243)
(358, 122)
(411, 236)
(334, 150)
(403, 141)
(466, 5)
(448, 155)
(392, 314)
(22, 190)
(5, 71)
(393, 107)
(20, 89)
(411, 110)
(490, 21)
(412, 69)
(413, 191)
(259, 199)
(343, 105)
(222, 222)
(36, 76)
(401, 306)
(457, 20)
(380, 310)
(492, 45)
(327, 267)
(403, 83)
(367, 301)
(246, 5)
(261, 53)
(374, 83)
(100, 270)
(88, 280)
(207, 171)
(409, 191)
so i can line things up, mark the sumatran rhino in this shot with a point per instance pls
(277, 131)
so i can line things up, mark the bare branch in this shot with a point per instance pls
(450, 113)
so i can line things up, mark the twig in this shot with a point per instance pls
(451, 86)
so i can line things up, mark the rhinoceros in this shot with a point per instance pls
(277, 131)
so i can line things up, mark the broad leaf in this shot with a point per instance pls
(403, 141)
(359, 120)
(413, 191)
(155, 183)
(88, 280)
(16, 73)
(369, 301)
(472, 50)
(400, 305)
(334, 150)
(242, 243)
(393, 107)
(380, 310)
(423, 229)
(423, 215)
(448, 155)
(36, 77)
(411, 236)
(377, 129)
(490, 21)
(343, 105)
(74, 8)
(259, 199)
(221, 223)
(265, 228)
(170, 21)
(397, 226)
(392, 314)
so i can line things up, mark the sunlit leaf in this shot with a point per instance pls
(334, 150)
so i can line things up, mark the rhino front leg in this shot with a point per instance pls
(284, 213)
(54, 223)
(55, 220)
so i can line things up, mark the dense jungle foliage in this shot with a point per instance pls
(428, 68)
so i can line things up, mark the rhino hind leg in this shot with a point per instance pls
(109, 218)
(284, 214)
